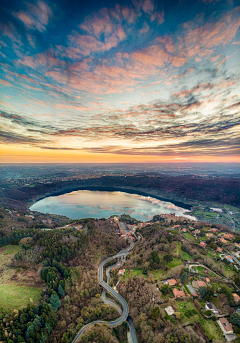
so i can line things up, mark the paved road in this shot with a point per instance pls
(124, 311)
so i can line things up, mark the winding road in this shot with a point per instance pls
(124, 311)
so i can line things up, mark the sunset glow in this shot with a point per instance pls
(138, 81)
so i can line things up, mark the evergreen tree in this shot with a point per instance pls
(61, 292)
(55, 302)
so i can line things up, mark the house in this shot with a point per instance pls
(214, 230)
(197, 231)
(209, 234)
(198, 284)
(225, 326)
(169, 310)
(203, 245)
(171, 282)
(78, 227)
(223, 240)
(228, 236)
(184, 230)
(237, 245)
(219, 249)
(207, 280)
(236, 297)
(229, 258)
(210, 306)
(178, 294)
(121, 271)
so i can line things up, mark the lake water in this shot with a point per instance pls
(101, 204)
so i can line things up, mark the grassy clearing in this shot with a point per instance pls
(178, 249)
(16, 297)
(132, 273)
(186, 305)
(6, 254)
(186, 256)
(174, 263)
(159, 274)
(212, 329)
(188, 236)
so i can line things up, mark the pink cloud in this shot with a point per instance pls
(100, 23)
(144, 29)
(5, 83)
(36, 17)
(148, 6)
(178, 61)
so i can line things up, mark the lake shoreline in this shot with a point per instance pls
(112, 189)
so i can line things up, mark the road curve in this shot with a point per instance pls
(125, 310)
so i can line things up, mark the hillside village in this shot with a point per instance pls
(181, 273)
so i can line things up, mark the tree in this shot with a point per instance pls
(183, 277)
(165, 289)
(55, 302)
(202, 291)
(167, 258)
(235, 318)
(61, 292)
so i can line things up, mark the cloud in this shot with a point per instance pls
(36, 17)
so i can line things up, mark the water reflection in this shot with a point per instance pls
(98, 204)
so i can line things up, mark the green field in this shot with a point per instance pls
(178, 249)
(12, 295)
(212, 329)
(188, 235)
(16, 297)
(186, 305)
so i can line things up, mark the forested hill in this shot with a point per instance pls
(181, 188)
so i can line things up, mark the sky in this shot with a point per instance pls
(125, 81)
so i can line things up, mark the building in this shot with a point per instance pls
(210, 306)
(214, 230)
(229, 258)
(171, 282)
(184, 230)
(198, 284)
(210, 235)
(121, 271)
(178, 294)
(228, 236)
(203, 245)
(197, 231)
(223, 240)
(215, 209)
(225, 326)
(236, 297)
(78, 227)
(219, 249)
(207, 280)
(169, 310)
(237, 245)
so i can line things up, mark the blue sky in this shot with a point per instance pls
(120, 81)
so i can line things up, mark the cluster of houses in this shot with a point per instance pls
(223, 323)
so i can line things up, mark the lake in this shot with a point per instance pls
(103, 204)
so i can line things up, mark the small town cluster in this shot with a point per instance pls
(207, 289)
